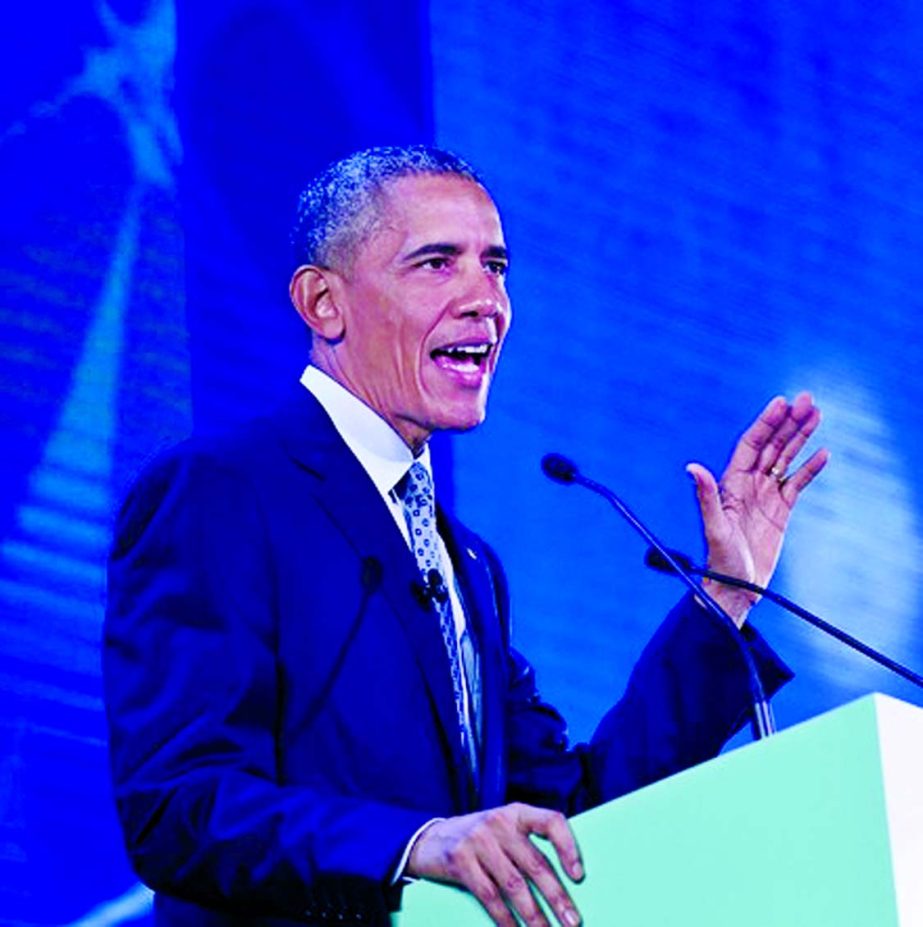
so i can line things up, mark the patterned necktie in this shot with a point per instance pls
(416, 494)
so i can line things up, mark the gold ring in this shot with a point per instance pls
(778, 473)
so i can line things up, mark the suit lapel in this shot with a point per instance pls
(344, 490)
(473, 575)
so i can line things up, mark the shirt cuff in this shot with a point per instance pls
(402, 862)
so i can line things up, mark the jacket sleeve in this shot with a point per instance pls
(686, 696)
(194, 700)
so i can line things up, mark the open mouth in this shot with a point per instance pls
(464, 357)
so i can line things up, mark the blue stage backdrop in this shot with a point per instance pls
(707, 203)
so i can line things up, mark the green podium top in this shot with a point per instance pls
(820, 825)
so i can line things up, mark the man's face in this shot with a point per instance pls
(425, 307)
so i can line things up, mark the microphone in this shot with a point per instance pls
(431, 590)
(656, 561)
(558, 468)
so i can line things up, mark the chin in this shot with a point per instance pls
(463, 422)
(455, 411)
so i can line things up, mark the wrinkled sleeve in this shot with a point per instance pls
(686, 696)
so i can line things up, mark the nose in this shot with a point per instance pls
(483, 307)
(483, 296)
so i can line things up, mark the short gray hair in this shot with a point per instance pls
(337, 210)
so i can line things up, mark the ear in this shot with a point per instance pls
(313, 299)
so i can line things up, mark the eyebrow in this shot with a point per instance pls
(445, 249)
(498, 251)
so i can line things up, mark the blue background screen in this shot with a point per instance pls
(707, 204)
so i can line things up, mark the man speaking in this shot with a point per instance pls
(310, 684)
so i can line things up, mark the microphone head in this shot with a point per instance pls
(558, 468)
(436, 586)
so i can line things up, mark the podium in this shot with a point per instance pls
(820, 825)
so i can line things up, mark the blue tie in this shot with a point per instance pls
(416, 493)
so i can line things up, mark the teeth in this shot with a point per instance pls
(464, 356)
(469, 349)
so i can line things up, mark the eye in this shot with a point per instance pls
(497, 267)
(436, 262)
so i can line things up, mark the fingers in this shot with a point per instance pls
(554, 827)
(525, 867)
(465, 868)
(803, 475)
(501, 889)
(777, 436)
(706, 489)
(491, 855)
(754, 439)
(794, 445)
(790, 437)
(529, 867)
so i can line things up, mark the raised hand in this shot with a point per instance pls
(490, 854)
(746, 513)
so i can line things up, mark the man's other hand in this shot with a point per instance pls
(490, 854)
(746, 514)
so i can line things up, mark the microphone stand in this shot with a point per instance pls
(562, 470)
(656, 561)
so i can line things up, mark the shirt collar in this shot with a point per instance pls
(376, 445)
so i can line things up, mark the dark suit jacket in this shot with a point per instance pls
(280, 707)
